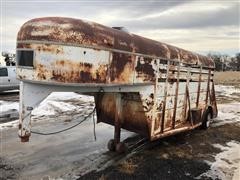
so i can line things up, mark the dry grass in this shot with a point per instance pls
(227, 77)
(127, 167)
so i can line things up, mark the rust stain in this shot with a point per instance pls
(67, 71)
(24, 45)
(157, 121)
(148, 103)
(144, 69)
(133, 115)
(168, 121)
(50, 48)
(76, 31)
(78, 72)
(25, 138)
(121, 67)
(41, 72)
(160, 106)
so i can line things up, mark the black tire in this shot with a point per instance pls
(206, 119)
(111, 145)
(121, 148)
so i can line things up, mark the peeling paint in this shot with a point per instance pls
(76, 53)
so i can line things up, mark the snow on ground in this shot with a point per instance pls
(226, 164)
(7, 125)
(51, 107)
(6, 106)
(63, 102)
(229, 91)
(227, 113)
(68, 96)
(54, 103)
(57, 104)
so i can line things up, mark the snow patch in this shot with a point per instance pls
(63, 103)
(57, 104)
(68, 96)
(53, 107)
(7, 125)
(227, 113)
(228, 91)
(8, 106)
(226, 163)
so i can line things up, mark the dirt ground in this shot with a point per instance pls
(197, 154)
(178, 157)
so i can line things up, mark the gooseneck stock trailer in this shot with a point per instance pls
(138, 84)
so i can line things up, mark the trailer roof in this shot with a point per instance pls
(83, 33)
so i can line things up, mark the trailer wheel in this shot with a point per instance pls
(207, 116)
(121, 147)
(111, 145)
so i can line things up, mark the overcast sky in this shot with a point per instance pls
(201, 26)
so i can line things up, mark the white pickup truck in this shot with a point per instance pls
(8, 79)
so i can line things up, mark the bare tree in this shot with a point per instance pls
(238, 61)
(217, 60)
(235, 62)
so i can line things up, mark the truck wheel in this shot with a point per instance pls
(121, 148)
(111, 145)
(207, 116)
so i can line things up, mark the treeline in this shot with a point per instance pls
(225, 62)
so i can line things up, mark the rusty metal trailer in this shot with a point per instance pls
(138, 84)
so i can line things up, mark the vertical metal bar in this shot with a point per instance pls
(208, 84)
(165, 97)
(154, 111)
(117, 122)
(214, 103)
(186, 94)
(134, 71)
(110, 58)
(176, 98)
(22, 114)
(189, 105)
(199, 86)
(188, 97)
(211, 87)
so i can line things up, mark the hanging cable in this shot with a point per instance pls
(84, 119)
(94, 127)
(56, 132)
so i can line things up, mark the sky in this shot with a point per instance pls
(202, 26)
